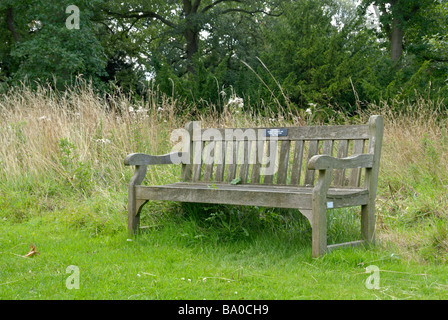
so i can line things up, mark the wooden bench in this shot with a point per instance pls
(316, 168)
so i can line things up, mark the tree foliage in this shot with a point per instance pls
(38, 46)
(292, 54)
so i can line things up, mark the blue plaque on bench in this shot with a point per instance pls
(276, 132)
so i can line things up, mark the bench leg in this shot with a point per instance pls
(319, 229)
(134, 208)
(368, 222)
(319, 206)
(133, 214)
(134, 205)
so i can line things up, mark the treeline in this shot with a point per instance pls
(295, 54)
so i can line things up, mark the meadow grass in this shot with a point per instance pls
(63, 187)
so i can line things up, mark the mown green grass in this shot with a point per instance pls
(183, 258)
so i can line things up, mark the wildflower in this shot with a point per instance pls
(44, 118)
(103, 141)
(159, 109)
(237, 102)
(131, 109)
(309, 111)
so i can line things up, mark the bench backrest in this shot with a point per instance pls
(221, 155)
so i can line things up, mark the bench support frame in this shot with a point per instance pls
(324, 165)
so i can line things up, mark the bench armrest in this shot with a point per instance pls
(323, 162)
(141, 159)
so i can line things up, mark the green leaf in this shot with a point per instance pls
(236, 181)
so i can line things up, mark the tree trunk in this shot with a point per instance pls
(396, 41)
(191, 32)
(10, 23)
(192, 38)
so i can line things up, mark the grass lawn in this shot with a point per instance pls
(161, 264)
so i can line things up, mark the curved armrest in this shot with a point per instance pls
(141, 159)
(323, 162)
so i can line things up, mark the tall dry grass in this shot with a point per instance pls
(412, 203)
(99, 131)
(79, 139)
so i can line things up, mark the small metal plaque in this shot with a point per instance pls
(276, 132)
(330, 205)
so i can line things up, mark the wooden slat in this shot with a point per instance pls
(294, 133)
(259, 151)
(327, 148)
(339, 175)
(187, 169)
(232, 152)
(355, 174)
(228, 194)
(272, 154)
(312, 150)
(283, 162)
(209, 152)
(297, 163)
(244, 169)
(197, 160)
(220, 160)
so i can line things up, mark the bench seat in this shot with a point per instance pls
(252, 195)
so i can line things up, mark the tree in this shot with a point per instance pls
(397, 17)
(39, 47)
(180, 23)
(320, 57)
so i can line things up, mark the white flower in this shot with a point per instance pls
(238, 102)
(104, 141)
(159, 109)
(44, 118)
(309, 111)
(131, 109)
(182, 278)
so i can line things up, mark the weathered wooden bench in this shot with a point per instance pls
(311, 169)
